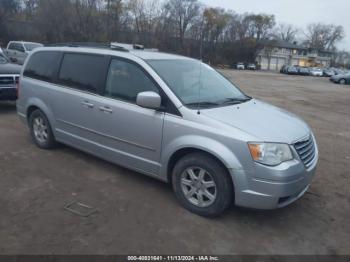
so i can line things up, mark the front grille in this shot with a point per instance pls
(306, 150)
(7, 81)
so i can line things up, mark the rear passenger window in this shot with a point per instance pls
(42, 66)
(126, 80)
(83, 72)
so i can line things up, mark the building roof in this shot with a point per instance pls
(281, 43)
(285, 44)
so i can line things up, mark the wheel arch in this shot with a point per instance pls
(342, 79)
(209, 147)
(186, 151)
(36, 103)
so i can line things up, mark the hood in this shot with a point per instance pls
(10, 69)
(263, 121)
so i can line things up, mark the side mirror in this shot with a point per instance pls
(149, 100)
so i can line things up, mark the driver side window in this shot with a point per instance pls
(126, 80)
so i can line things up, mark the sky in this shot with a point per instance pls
(297, 12)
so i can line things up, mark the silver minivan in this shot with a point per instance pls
(170, 117)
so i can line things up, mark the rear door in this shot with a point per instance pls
(76, 97)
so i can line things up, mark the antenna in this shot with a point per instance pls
(199, 87)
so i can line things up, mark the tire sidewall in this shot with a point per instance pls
(50, 142)
(220, 177)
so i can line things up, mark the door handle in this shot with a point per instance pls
(87, 104)
(106, 109)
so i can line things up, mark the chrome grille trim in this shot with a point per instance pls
(306, 150)
(8, 80)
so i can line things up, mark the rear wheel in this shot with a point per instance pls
(202, 185)
(41, 131)
(342, 81)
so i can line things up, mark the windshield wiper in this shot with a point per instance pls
(235, 101)
(202, 104)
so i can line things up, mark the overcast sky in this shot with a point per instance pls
(296, 12)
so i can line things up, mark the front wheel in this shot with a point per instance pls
(41, 131)
(202, 185)
(342, 81)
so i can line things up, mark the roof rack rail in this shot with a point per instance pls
(113, 46)
(127, 46)
(89, 45)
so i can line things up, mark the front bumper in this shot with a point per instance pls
(273, 187)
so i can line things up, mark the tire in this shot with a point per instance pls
(342, 81)
(41, 131)
(215, 181)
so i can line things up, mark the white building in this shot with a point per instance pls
(273, 54)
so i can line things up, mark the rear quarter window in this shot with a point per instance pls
(42, 66)
(82, 71)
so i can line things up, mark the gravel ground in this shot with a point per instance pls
(139, 215)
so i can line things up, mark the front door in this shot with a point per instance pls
(134, 133)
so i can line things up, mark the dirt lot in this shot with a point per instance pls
(139, 215)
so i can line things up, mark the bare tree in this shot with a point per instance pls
(260, 25)
(182, 13)
(184, 26)
(30, 7)
(113, 13)
(215, 22)
(144, 14)
(286, 32)
(323, 36)
(8, 8)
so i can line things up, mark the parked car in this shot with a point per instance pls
(292, 70)
(251, 67)
(341, 79)
(240, 66)
(338, 71)
(9, 75)
(283, 69)
(327, 72)
(17, 51)
(303, 71)
(316, 72)
(143, 110)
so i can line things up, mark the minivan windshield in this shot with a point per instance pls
(197, 84)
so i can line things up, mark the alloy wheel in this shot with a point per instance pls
(198, 186)
(40, 129)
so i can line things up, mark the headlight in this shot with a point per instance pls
(270, 153)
